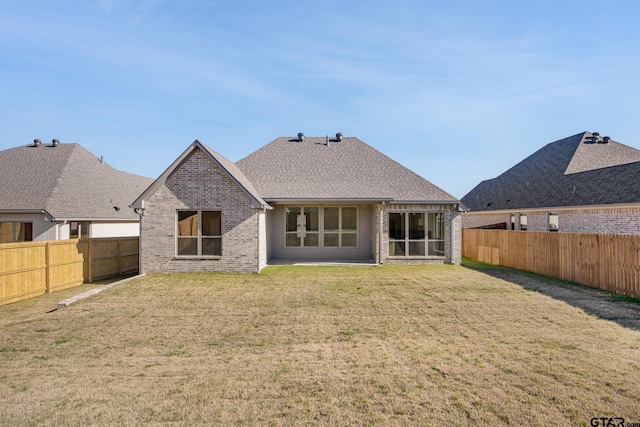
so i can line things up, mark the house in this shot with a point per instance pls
(585, 183)
(57, 191)
(297, 199)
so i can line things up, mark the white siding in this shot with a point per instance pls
(114, 229)
(42, 230)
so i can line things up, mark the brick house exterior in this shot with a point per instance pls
(582, 184)
(210, 189)
(294, 200)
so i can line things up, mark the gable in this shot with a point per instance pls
(596, 154)
(190, 171)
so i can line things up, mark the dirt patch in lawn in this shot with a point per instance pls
(394, 345)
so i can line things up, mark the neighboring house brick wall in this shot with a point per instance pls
(588, 221)
(600, 221)
(473, 220)
(452, 237)
(537, 221)
(199, 184)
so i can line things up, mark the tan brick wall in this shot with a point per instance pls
(199, 184)
(590, 221)
(600, 221)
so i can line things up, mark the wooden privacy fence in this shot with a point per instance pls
(109, 257)
(33, 268)
(604, 261)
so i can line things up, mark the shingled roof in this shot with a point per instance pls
(66, 181)
(581, 170)
(347, 169)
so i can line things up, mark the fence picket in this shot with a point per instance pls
(33, 268)
(609, 262)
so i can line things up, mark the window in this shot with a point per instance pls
(416, 234)
(523, 221)
(11, 232)
(553, 221)
(313, 226)
(199, 233)
(302, 227)
(341, 227)
(79, 230)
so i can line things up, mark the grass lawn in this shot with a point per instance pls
(392, 345)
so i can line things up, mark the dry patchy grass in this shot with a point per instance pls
(412, 345)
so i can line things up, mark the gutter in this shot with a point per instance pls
(46, 214)
(328, 200)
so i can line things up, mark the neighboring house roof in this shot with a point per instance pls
(349, 169)
(66, 181)
(581, 170)
(226, 166)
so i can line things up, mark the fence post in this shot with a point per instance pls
(89, 244)
(119, 250)
(47, 262)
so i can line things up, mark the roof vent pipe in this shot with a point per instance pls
(300, 136)
(338, 137)
(37, 143)
(326, 141)
(55, 142)
(606, 139)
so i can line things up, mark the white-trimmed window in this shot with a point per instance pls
(11, 232)
(416, 234)
(199, 233)
(523, 221)
(553, 221)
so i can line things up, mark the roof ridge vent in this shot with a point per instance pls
(300, 136)
(338, 137)
(55, 142)
(37, 143)
(605, 140)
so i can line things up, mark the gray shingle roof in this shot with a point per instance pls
(574, 171)
(68, 182)
(349, 169)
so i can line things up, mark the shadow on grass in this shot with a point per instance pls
(617, 308)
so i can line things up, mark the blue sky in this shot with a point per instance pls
(458, 91)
